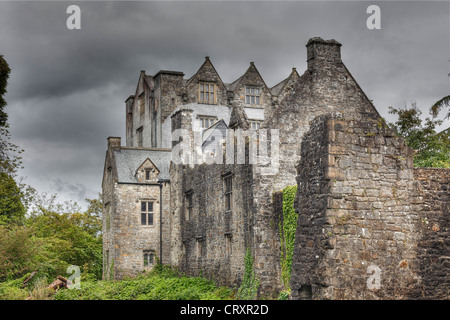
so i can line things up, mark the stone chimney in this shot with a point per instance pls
(114, 143)
(323, 54)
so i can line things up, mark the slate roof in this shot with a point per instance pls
(275, 90)
(219, 125)
(128, 160)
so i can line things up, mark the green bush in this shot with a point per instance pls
(162, 283)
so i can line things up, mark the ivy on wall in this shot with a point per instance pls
(250, 282)
(287, 228)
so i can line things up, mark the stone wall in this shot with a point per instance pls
(357, 230)
(433, 201)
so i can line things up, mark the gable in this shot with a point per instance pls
(206, 74)
(147, 172)
(130, 160)
(251, 89)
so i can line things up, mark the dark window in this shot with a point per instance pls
(207, 92)
(140, 138)
(149, 258)
(189, 206)
(146, 213)
(228, 192)
(252, 95)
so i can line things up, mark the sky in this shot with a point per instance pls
(67, 88)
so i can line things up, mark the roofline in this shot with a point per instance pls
(178, 73)
(146, 149)
(146, 183)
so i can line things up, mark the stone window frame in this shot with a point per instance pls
(141, 103)
(255, 124)
(147, 213)
(140, 136)
(199, 246)
(205, 118)
(203, 92)
(149, 258)
(228, 244)
(147, 172)
(189, 205)
(228, 190)
(253, 95)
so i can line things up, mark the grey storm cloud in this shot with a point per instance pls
(67, 88)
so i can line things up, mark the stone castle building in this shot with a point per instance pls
(364, 212)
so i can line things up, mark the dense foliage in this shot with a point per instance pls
(50, 239)
(162, 283)
(432, 149)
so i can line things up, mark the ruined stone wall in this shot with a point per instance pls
(109, 200)
(433, 202)
(357, 230)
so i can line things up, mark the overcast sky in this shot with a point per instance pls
(67, 87)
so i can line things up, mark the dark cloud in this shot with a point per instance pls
(67, 88)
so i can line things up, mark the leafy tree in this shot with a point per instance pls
(72, 236)
(9, 158)
(439, 105)
(432, 149)
(12, 211)
(4, 76)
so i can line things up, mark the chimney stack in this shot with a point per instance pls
(114, 143)
(323, 53)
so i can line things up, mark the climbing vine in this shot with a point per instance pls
(250, 282)
(287, 228)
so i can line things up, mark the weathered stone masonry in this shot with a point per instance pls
(361, 211)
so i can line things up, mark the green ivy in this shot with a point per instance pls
(287, 228)
(250, 283)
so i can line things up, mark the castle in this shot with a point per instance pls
(198, 183)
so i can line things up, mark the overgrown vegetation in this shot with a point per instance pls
(432, 149)
(162, 283)
(250, 282)
(50, 239)
(287, 228)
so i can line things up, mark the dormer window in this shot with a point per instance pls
(252, 95)
(148, 172)
(207, 92)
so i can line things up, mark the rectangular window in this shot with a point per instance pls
(141, 105)
(255, 125)
(147, 213)
(149, 258)
(199, 248)
(228, 192)
(189, 206)
(207, 122)
(252, 95)
(207, 92)
(140, 138)
(228, 249)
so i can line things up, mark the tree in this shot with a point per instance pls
(436, 108)
(4, 76)
(12, 211)
(432, 149)
(9, 160)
